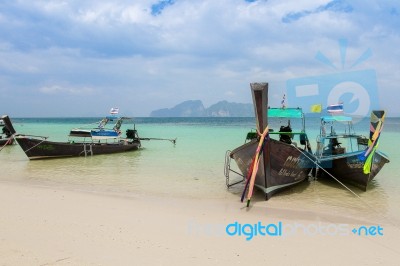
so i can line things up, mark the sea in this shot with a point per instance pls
(194, 166)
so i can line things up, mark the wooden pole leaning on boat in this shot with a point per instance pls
(259, 93)
(250, 172)
(256, 164)
(248, 177)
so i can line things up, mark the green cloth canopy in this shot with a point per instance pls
(339, 118)
(285, 112)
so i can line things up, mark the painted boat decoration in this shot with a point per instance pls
(281, 161)
(347, 156)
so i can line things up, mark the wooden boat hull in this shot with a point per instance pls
(43, 149)
(6, 141)
(348, 168)
(288, 166)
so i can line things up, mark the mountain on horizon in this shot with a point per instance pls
(195, 108)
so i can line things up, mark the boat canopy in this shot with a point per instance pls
(100, 132)
(338, 118)
(285, 112)
(104, 134)
(112, 118)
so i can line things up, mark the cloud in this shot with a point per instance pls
(339, 6)
(150, 53)
(59, 90)
(157, 8)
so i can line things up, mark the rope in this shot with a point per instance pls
(387, 218)
(323, 169)
(366, 203)
(34, 146)
(7, 142)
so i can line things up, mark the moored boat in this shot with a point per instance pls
(36, 148)
(347, 156)
(282, 163)
(86, 142)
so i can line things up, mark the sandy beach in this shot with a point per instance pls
(136, 124)
(54, 226)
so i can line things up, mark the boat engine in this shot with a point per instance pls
(131, 134)
(6, 132)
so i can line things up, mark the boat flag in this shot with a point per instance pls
(316, 108)
(114, 110)
(283, 102)
(335, 108)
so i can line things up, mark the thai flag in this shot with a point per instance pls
(335, 108)
(114, 110)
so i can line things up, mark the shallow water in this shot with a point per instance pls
(194, 166)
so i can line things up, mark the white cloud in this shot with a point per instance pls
(192, 46)
(57, 89)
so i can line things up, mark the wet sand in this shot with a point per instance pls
(42, 225)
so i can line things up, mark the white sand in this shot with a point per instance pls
(52, 226)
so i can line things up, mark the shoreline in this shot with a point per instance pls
(285, 204)
(52, 226)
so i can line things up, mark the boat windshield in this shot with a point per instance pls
(103, 123)
(332, 142)
(118, 124)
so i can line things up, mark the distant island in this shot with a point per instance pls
(195, 108)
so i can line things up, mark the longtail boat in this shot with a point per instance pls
(347, 156)
(88, 141)
(281, 161)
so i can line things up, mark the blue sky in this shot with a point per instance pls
(80, 58)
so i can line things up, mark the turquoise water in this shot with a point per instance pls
(194, 166)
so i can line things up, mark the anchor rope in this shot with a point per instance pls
(34, 146)
(323, 169)
(355, 194)
(8, 141)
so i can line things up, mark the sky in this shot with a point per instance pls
(80, 58)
